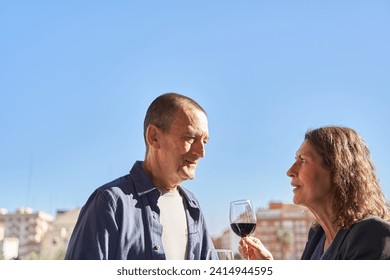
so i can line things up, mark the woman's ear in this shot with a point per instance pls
(152, 136)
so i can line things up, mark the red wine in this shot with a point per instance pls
(243, 229)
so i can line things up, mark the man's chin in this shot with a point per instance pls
(187, 175)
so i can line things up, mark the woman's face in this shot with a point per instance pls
(310, 178)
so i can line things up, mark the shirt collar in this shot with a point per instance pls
(143, 184)
(190, 197)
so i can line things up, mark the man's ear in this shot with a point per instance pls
(152, 136)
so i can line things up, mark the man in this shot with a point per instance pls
(146, 215)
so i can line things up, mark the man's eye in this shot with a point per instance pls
(190, 140)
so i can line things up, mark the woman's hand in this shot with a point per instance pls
(251, 248)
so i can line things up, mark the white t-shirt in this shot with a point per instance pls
(174, 222)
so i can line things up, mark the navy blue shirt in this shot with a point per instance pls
(120, 221)
(369, 239)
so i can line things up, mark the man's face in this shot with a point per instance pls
(183, 145)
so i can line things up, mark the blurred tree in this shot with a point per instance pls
(285, 238)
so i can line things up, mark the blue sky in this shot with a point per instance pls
(76, 78)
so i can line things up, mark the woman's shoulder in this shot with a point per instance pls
(371, 228)
(375, 219)
(368, 239)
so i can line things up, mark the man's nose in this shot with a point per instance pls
(199, 149)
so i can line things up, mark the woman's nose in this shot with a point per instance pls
(291, 172)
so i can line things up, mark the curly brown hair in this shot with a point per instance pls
(357, 192)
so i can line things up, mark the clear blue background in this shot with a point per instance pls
(76, 78)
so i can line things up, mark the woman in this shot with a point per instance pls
(334, 177)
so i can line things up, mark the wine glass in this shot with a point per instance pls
(242, 217)
(219, 254)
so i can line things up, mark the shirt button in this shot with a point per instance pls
(156, 247)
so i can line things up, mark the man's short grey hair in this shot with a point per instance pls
(162, 111)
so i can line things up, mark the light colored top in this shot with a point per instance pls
(174, 222)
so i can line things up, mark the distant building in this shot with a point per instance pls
(23, 230)
(56, 239)
(228, 240)
(10, 248)
(282, 228)
(35, 235)
(2, 232)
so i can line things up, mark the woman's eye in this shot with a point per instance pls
(302, 159)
